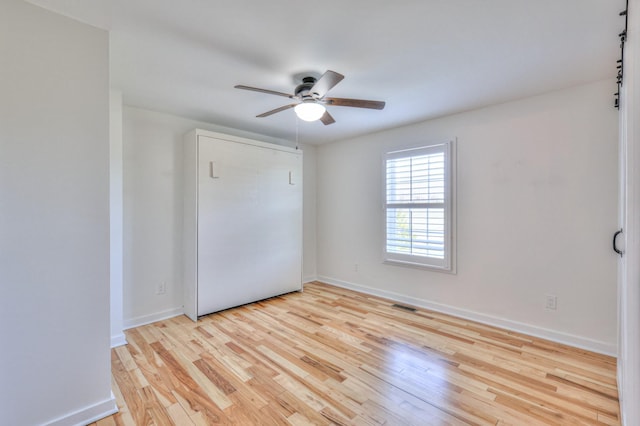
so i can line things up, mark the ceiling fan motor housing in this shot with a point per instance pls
(303, 90)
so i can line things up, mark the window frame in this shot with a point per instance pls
(448, 264)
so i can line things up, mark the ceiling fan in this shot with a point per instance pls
(311, 99)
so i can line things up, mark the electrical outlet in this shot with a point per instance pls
(355, 267)
(551, 302)
(162, 288)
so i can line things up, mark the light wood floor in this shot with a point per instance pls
(334, 356)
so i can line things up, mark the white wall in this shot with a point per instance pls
(537, 206)
(309, 270)
(54, 219)
(115, 217)
(153, 211)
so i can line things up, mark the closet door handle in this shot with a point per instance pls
(212, 170)
(615, 248)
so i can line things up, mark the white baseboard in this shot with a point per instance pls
(309, 279)
(504, 323)
(148, 319)
(118, 340)
(88, 415)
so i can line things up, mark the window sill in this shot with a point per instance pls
(419, 266)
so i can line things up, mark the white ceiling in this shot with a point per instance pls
(425, 58)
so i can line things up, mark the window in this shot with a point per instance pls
(419, 206)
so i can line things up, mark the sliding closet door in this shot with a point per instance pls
(249, 223)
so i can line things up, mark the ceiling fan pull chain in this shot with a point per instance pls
(297, 126)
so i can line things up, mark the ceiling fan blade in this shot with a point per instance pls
(358, 103)
(273, 111)
(270, 92)
(328, 80)
(327, 118)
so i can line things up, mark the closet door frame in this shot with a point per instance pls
(629, 266)
(285, 176)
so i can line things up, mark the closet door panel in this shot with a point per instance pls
(249, 224)
(281, 200)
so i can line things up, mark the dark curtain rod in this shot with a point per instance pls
(620, 62)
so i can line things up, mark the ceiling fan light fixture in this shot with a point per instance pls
(309, 98)
(309, 111)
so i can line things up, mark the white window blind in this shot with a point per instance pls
(418, 206)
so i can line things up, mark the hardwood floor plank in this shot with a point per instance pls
(331, 356)
(178, 415)
(109, 421)
(271, 416)
(151, 366)
(130, 395)
(300, 410)
(219, 381)
(157, 412)
(187, 387)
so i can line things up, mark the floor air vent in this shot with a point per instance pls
(403, 307)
